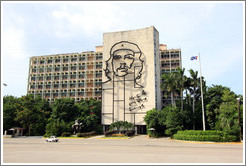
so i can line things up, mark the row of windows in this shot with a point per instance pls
(64, 85)
(65, 59)
(65, 68)
(168, 70)
(58, 77)
(70, 64)
(168, 64)
(164, 56)
(63, 94)
(76, 99)
(63, 77)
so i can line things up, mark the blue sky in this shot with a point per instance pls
(216, 30)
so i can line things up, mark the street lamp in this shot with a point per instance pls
(238, 103)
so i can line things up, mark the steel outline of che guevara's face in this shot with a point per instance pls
(122, 61)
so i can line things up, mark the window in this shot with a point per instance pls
(81, 93)
(64, 77)
(48, 77)
(81, 84)
(57, 77)
(56, 86)
(72, 85)
(64, 85)
(41, 69)
(58, 60)
(82, 58)
(65, 60)
(65, 68)
(82, 67)
(73, 67)
(99, 57)
(74, 59)
(34, 70)
(33, 78)
(99, 66)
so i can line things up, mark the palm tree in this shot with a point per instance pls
(194, 85)
(187, 85)
(127, 125)
(116, 125)
(169, 84)
(180, 82)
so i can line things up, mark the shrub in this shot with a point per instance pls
(209, 135)
(109, 133)
(66, 134)
(118, 135)
(86, 134)
(130, 133)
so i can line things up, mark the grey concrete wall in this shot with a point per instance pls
(142, 46)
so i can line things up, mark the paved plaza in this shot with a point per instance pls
(138, 149)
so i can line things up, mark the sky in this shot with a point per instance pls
(215, 30)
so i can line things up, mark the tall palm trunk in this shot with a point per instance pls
(194, 100)
(172, 98)
(182, 102)
(190, 99)
(186, 99)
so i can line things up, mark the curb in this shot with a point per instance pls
(202, 142)
(112, 138)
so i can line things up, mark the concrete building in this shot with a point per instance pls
(128, 67)
(170, 60)
(131, 78)
(75, 75)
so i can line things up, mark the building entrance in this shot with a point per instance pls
(141, 129)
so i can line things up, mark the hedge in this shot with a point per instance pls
(130, 133)
(209, 135)
(66, 134)
(110, 133)
(86, 134)
(126, 132)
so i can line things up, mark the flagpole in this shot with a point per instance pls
(203, 114)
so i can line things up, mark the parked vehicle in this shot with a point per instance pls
(52, 139)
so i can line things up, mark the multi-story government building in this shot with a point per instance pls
(125, 73)
(170, 60)
(71, 75)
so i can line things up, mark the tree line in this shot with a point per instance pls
(38, 117)
(184, 111)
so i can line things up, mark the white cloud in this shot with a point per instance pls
(88, 18)
(13, 43)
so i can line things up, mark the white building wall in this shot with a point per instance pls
(120, 106)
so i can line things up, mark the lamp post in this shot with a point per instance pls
(238, 103)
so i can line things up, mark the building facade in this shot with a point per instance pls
(75, 75)
(125, 73)
(170, 60)
(131, 78)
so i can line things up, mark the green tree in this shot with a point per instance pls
(169, 84)
(187, 86)
(155, 119)
(194, 86)
(9, 112)
(173, 120)
(32, 113)
(228, 114)
(89, 113)
(127, 125)
(64, 113)
(181, 78)
(118, 125)
(213, 100)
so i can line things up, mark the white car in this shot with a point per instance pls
(52, 139)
